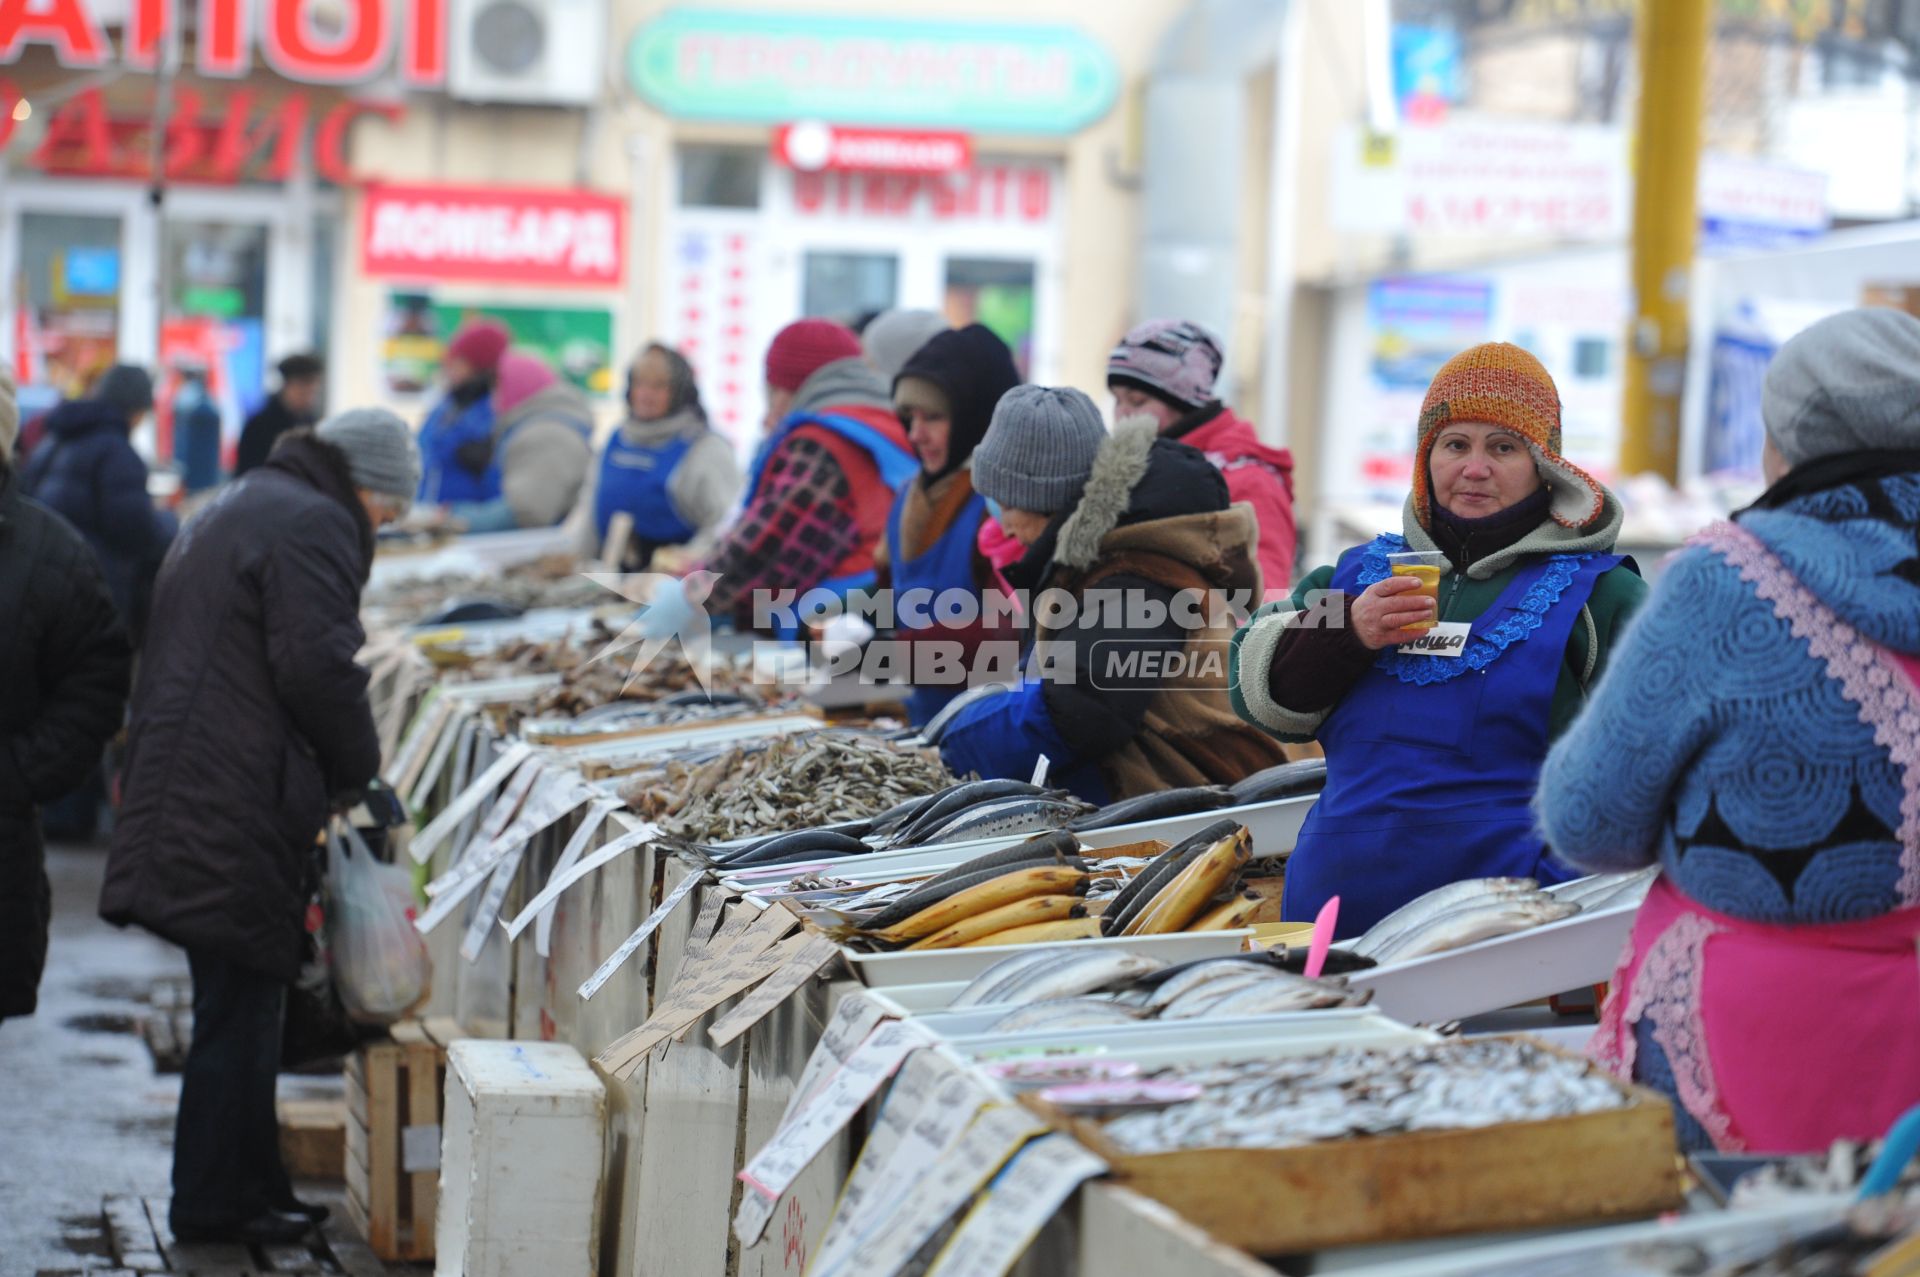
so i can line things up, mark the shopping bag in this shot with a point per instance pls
(380, 963)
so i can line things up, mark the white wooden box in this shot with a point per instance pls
(520, 1161)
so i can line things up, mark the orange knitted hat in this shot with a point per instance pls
(1502, 385)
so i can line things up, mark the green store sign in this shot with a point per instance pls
(757, 68)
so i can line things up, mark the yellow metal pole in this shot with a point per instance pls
(1672, 39)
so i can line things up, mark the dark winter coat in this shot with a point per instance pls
(86, 471)
(262, 431)
(250, 714)
(64, 661)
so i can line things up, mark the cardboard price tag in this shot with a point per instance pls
(1015, 1207)
(590, 824)
(855, 1018)
(632, 943)
(573, 871)
(777, 988)
(469, 799)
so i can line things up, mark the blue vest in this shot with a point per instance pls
(443, 480)
(947, 564)
(1432, 761)
(634, 479)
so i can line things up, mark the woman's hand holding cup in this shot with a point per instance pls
(1383, 612)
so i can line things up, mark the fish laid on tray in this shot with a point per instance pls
(1457, 1084)
(1064, 988)
(1476, 909)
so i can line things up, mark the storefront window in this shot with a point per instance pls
(70, 268)
(846, 285)
(719, 177)
(323, 250)
(998, 294)
(214, 328)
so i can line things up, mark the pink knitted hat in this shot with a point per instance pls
(520, 378)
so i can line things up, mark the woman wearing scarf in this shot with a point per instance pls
(945, 393)
(1432, 759)
(1758, 738)
(665, 466)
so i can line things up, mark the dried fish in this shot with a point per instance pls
(1290, 1100)
(950, 802)
(797, 782)
(1472, 922)
(1064, 972)
(1007, 816)
(1064, 1013)
(1288, 780)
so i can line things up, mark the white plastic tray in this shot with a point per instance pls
(1274, 827)
(1501, 972)
(1192, 1042)
(936, 966)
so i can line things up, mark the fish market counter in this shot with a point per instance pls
(791, 1091)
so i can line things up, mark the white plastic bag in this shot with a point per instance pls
(380, 962)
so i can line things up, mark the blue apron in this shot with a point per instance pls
(443, 480)
(947, 564)
(634, 480)
(1432, 762)
(895, 463)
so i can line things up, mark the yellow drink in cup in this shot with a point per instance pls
(1427, 567)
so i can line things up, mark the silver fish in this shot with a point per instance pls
(1420, 909)
(1012, 816)
(1003, 970)
(1073, 975)
(1065, 1013)
(1473, 922)
(1612, 888)
(1196, 975)
(1270, 997)
(1197, 998)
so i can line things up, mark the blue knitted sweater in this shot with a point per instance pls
(1720, 743)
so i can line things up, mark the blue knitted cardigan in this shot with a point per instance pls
(1736, 736)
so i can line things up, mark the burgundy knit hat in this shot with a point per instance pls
(480, 342)
(806, 346)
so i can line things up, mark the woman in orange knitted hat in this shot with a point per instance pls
(1436, 713)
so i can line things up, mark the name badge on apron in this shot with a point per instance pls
(1448, 638)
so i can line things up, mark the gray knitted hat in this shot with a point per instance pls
(9, 416)
(895, 336)
(1850, 383)
(127, 388)
(1039, 449)
(380, 450)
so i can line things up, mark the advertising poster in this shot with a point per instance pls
(576, 341)
(1415, 325)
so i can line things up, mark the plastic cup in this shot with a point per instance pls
(1427, 567)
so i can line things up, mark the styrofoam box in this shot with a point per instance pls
(520, 1161)
(1503, 971)
(937, 966)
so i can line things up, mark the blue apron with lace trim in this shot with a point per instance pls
(947, 564)
(1432, 761)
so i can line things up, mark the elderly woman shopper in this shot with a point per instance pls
(1123, 699)
(543, 448)
(1758, 738)
(945, 394)
(1433, 752)
(666, 467)
(250, 722)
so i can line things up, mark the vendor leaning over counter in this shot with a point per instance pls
(1432, 759)
(1758, 738)
(945, 394)
(1143, 519)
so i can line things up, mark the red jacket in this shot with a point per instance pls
(1262, 477)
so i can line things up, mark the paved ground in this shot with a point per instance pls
(86, 1116)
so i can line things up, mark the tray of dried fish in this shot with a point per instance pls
(1285, 1153)
(793, 783)
(1496, 943)
(1159, 1046)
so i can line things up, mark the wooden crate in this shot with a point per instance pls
(1560, 1171)
(394, 1093)
(313, 1138)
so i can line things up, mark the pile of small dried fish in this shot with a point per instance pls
(1842, 1169)
(1294, 1100)
(587, 687)
(796, 782)
(552, 582)
(1458, 914)
(1103, 991)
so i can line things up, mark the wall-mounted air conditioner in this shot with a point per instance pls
(538, 51)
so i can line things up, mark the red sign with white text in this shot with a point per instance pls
(816, 148)
(500, 234)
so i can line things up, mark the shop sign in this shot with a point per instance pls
(1750, 204)
(768, 68)
(577, 342)
(1484, 179)
(290, 41)
(1004, 193)
(502, 234)
(221, 146)
(814, 147)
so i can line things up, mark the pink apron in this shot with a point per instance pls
(1786, 1038)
